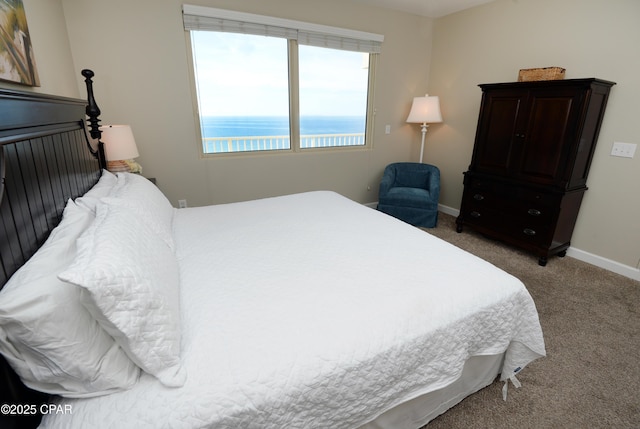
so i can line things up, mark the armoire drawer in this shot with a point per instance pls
(511, 200)
(532, 212)
(483, 199)
(527, 232)
(482, 216)
(524, 228)
(488, 186)
(534, 196)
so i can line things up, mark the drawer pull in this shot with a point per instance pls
(529, 232)
(534, 212)
(475, 214)
(478, 197)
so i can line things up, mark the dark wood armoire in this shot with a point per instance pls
(533, 149)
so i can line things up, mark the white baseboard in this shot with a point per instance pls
(607, 264)
(581, 255)
(448, 210)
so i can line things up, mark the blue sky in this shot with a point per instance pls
(241, 75)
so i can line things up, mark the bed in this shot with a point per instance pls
(299, 311)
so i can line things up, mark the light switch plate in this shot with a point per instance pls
(624, 150)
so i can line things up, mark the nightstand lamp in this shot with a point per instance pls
(120, 148)
(425, 110)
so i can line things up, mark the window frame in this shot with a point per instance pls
(319, 35)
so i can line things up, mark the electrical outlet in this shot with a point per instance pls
(387, 129)
(182, 204)
(624, 150)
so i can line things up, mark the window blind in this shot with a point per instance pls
(212, 19)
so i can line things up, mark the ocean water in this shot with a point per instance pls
(233, 126)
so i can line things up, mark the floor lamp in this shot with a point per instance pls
(425, 110)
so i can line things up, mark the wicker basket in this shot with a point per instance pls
(545, 73)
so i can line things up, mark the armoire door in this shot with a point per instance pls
(502, 114)
(542, 151)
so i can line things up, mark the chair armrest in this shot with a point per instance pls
(388, 179)
(434, 182)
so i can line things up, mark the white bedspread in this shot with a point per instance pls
(311, 311)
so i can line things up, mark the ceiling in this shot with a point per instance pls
(429, 8)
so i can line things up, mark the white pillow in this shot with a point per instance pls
(140, 189)
(46, 333)
(130, 285)
(137, 193)
(159, 225)
(103, 188)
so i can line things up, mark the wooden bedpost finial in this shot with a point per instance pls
(93, 111)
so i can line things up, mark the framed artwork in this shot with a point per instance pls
(17, 62)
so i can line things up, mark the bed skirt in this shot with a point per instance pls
(478, 372)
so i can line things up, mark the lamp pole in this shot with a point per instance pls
(424, 133)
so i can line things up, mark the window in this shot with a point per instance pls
(243, 91)
(333, 97)
(267, 84)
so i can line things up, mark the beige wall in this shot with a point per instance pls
(50, 42)
(139, 54)
(594, 38)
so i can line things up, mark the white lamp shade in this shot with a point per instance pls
(119, 143)
(425, 110)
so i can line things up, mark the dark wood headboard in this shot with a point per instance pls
(46, 157)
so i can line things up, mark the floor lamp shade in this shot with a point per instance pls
(425, 110)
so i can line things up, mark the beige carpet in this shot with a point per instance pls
(591, 322)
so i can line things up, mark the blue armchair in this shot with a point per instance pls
(410, 192)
